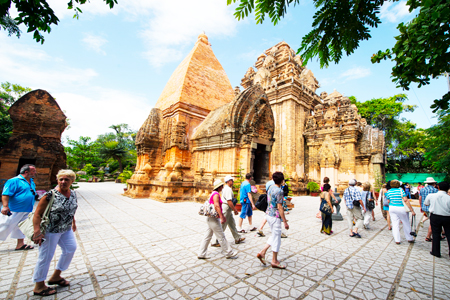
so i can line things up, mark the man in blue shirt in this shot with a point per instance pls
(424, 192)
(247, 203)
(19, 194)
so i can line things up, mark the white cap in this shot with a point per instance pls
(228, 178)
(352, 182)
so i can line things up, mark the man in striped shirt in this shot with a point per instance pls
(352, 194)
(424, 192)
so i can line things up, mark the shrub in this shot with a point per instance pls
(313, 186)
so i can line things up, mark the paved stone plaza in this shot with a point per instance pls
(142, 249)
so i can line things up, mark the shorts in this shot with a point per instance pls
(385, 207)
(426, 213)
(246, 210)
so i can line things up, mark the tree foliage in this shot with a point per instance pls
(36, 15)
(114, 148)
(422, 50)
(404, 142)
(437, 153)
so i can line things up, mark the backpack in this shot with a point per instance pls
(370, 203)
(262, 204)
(285, 190)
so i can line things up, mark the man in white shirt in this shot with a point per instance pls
(439, 216)
(228, 208)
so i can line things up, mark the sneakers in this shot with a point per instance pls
(215, 245)
(283, 236)
(239, 240)
(232, 254)
(260, 233)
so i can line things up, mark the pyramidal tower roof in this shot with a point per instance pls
(199, 80)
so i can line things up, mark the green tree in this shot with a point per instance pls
(9, 93)
(36, 15)
(404, 142)
(384, 113)
(437, 152)
(119, 145)
(422, 50)
(81, 152)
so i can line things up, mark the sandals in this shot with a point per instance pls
(25, 247)
(253, 229)
(45, 292)
(242, 231)
(239, 241)
(261, 259)
(279, 266)
(62, 282)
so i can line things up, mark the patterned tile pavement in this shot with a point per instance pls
(143, 249)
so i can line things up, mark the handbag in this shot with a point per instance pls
(27, 227)
(208, 210)
(325, 207)
(406, 207)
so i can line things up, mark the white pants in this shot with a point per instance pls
(367, 217)
(275, 238)
(214, 227)
(399, 214)
(65, 240)
(8, 225)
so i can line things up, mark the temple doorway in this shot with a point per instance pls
(24, 161)
(260, 165)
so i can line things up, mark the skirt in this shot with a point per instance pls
(326, 223)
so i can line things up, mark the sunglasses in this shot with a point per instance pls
(36, 197)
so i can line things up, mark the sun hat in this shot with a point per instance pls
(228, 178)
(430, 180)
(217, 184)
(352, 182)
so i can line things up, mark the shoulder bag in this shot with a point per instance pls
(404, 204)
(325, 207)
(370, 202)
(208, 210)
(356, 203)
(27, 227)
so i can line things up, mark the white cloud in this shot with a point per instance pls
(91, 116)
(25, 65)
(168, 26)
(394, 12)
(355, 73)
(94, 42)
(176, 24)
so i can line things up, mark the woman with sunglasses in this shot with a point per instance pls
(60, 231)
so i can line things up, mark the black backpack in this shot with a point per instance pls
(261, 204)
(370, 203)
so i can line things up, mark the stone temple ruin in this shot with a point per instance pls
(201, 129)
(38, 123)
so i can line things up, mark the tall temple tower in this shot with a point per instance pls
(291, 89)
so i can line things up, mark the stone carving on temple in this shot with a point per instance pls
(328, 154)
(202, 129)
(340, 146)
(38, 123)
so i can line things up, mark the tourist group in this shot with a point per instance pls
(53, 222)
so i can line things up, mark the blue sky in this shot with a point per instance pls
(110, 66)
